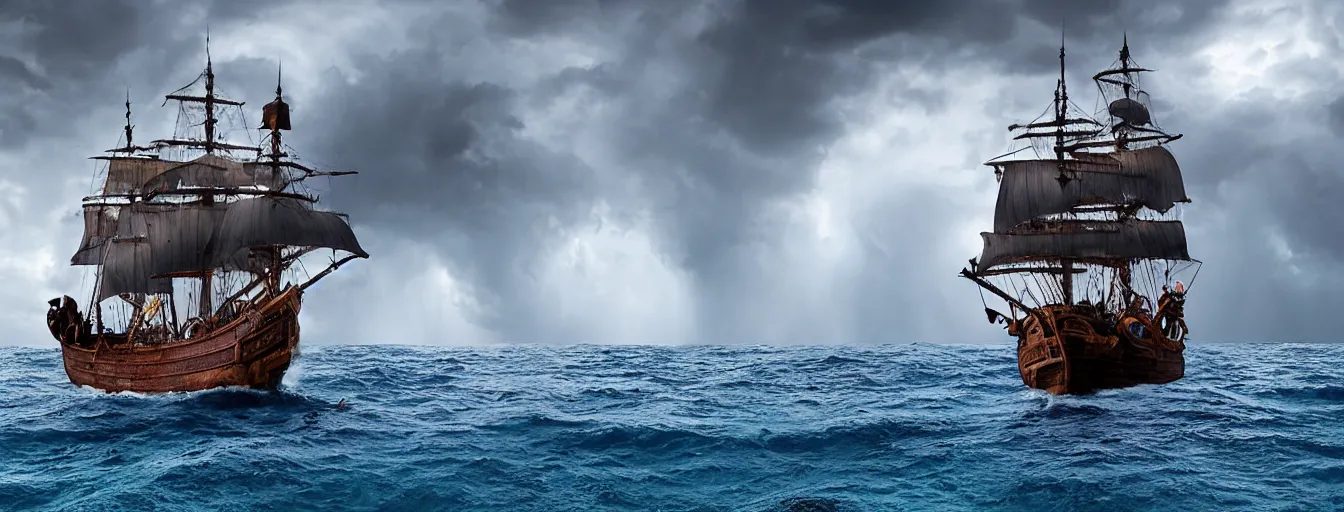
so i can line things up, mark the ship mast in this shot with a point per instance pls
(1122, 137)
(129, 149)
(98, 271)
(1130, 115)
(209, 101)
(275, 125)
(1061, 111)
(1123, 273)
(130, 129)
(275, 116)
(207, 275)
(209, 145)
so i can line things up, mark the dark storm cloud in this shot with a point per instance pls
(65, 68)
(529, 17)
(747, 129)
(445, 162)
(83, 55)
(1284, 173)
(18, 74)
(711, 115)
(1264, 170)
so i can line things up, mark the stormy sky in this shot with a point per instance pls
(667, 172)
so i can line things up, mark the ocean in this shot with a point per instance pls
(705, 428)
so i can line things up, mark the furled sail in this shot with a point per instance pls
(1127, 240)
(1148, 177)
(266, 221)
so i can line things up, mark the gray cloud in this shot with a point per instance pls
(1335, 116)
(504, 138)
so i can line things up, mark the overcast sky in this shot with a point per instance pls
(685, 171)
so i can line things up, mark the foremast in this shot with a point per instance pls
(1086, 221)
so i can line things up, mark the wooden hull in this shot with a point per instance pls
(253, 350)
(1081, 353)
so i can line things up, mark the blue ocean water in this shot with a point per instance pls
(909, 427)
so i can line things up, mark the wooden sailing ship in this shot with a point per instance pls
(1084, 238)
(198, 218)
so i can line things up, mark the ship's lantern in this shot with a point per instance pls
(275, 115)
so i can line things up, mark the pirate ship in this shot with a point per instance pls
(193, 224)
(1085, 237)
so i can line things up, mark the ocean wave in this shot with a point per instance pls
(912, 427)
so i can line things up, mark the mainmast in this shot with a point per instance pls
(1123, 273)
(209, 144)
(210, 101)
(1061, 110)
(207, 275)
